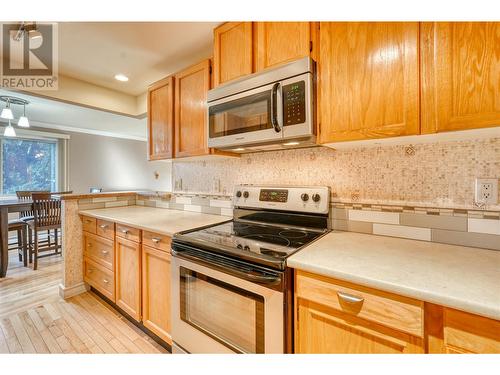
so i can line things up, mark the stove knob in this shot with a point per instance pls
(304, 197)
(246, 247)
(245, 194)
(239, 246)
(238, 194)
(316, 197)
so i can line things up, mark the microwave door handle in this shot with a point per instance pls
(274, 107)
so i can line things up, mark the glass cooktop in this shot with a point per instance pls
(254, 240)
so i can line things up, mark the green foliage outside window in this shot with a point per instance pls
(28, 165)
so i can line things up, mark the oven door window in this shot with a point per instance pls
(230, 315)
(247, 114)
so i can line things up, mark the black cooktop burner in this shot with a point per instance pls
(269, 238)
(255, 240)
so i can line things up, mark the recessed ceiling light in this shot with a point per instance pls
(291, 144)
(121, 77)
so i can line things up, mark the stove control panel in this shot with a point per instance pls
(311, 199)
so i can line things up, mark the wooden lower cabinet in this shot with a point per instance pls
(333, 316)
(128, 276)
(156, 292)
(468, 333)
(321, 329)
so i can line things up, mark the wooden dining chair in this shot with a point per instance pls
(21, 245)
(46, 217)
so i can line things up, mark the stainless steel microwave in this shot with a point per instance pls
(272, 109)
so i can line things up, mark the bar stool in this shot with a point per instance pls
(21, 245)
(46, 217)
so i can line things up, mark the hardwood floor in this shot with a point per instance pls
(34, 319)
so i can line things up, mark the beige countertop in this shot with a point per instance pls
(158, 220)
(463, 278)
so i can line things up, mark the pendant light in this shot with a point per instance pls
(9, 131)
(23, 120)
(7, 112)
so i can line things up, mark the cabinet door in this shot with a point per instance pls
(156, 291)
(128, 277)
(161, 120)
(468, 333)
(460, 75)
(278, 42)
(368, 80)
(191, 87)
(322, 330)
(233, 44)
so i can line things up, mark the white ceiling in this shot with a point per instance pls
(51, 114)
(143, 51)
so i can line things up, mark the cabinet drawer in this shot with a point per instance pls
(106, 229)
(99, 277)
(464, 333)
(132, 234)
(101, 250)
(397, 312)
(89, 224)
(156, 241)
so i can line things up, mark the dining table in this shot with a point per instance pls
(8, 205)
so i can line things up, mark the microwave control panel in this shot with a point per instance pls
(294, 103)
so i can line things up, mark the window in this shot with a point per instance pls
(28, 164)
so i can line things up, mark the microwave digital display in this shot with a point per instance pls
(294, 103)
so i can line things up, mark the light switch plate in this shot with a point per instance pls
(486, 190)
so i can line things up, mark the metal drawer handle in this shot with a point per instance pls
(125, 231)
(156, 240)
(103, 226)
(349, 298)
(105, 281)
(105, 252)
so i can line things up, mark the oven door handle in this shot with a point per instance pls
(255, 276)
(274, 107)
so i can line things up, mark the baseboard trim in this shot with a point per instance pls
(73, 290)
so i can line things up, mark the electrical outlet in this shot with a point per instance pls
(486, 190)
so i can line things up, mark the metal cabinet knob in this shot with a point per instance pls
(156, 240)
(349, 298)
(124, 231)
(105, 252)
(105, 281)
(91, 270)
(89, 245)
(103, 226)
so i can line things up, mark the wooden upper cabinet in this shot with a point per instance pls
(161, 119)
(191, 87)
(279, 42)
(233, 51)
(368, 80)
(460, 75)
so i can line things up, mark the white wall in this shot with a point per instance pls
(113, 164)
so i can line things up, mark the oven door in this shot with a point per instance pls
(215, 312)
(249, 117)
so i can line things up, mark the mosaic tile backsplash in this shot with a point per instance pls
(438, 175)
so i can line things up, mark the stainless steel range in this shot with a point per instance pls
(231, 289)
